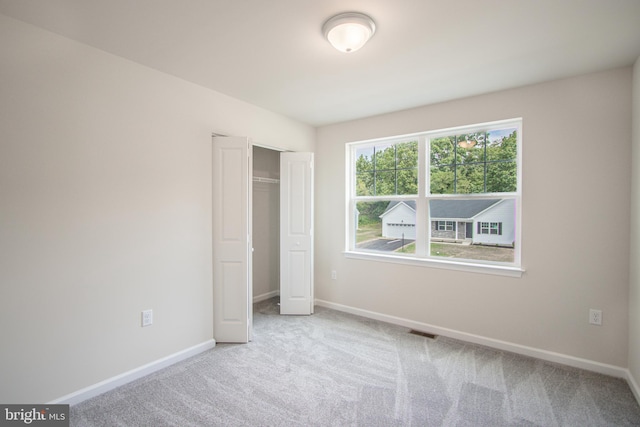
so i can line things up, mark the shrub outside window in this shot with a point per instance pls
(451, 195)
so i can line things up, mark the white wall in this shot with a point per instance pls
(634, 296)
(575, 216)
(105, 210)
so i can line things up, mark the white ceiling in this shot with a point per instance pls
(271, 53)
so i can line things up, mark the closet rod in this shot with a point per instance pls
(266, 180)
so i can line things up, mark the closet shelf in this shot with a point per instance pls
(266, 180)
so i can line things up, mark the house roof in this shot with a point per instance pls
(459, 209)
(391, 205)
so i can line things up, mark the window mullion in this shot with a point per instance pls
(422, 205)
(455, 164)
(486, 138)
(395, 169)
(375, 172)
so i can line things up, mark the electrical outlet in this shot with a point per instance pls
(147, 318)
(595, 316)
(334, 275)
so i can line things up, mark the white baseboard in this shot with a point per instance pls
(576, 362)
(266, 296)
(633, 385)
(126, 377)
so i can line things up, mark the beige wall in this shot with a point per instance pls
(575, 236)
(634, 296)
(105, 210)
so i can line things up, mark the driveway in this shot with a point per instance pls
(387, 245)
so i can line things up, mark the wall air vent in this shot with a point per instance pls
(423, 334)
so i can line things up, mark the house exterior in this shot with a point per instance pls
(477, 221)
(399, 220)
(496, 224)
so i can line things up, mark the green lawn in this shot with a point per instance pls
(445, 250)
(485, 253)
(369, 232)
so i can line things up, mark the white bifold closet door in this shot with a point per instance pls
(296, 233)
(232, 237)
(232, 278)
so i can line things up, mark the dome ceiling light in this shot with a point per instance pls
(349, 31)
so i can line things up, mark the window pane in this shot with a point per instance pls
(407, 181)
(407, 168)
(442, 151)
(470, 179)
(477, 162)
(385, 157)
(470, 148)
(482, 229)
(502, 145)
(502, 177)
(387, 169)
(365, 184)
(364, 171)
(493, 228)
(386, 226)
(442, 180)
(364, 159)
(407, 155)
(385, 183)
(501, 161)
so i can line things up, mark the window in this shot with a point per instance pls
(386, 169)
(386, 226)
(445, 225)
(449, 196)
(490, 228)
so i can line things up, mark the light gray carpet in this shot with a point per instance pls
(335, 369)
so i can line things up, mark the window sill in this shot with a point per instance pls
(447, 264)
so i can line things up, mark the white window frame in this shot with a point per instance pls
(491, 228)
(484, 229)
(423, 231)
(442, 225)
(494, 226)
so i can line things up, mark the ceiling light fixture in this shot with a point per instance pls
(349, 31)
(467, 143)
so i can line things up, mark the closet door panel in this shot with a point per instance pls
(296, 233)
(231, 239)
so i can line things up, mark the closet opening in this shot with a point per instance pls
(266, 223)
(262, 221)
